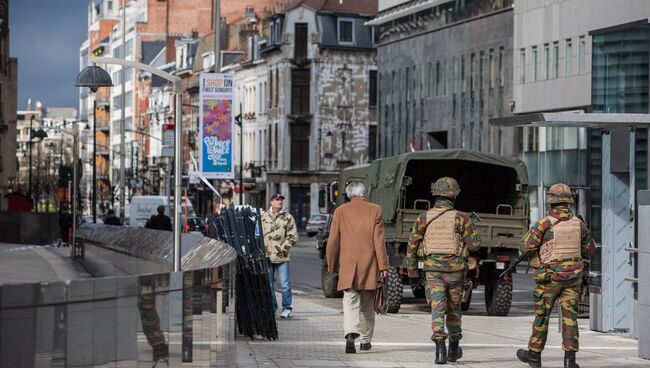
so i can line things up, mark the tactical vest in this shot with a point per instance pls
(566, 242)
(441, 237)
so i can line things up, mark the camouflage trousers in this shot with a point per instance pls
(545, 295)
(444, 291)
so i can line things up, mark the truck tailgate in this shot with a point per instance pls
(501, 230)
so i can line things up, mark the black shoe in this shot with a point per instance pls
(365, 346)
(570, 359)
(349, 344)
(532, 358)
(441, 352)
(455, 352)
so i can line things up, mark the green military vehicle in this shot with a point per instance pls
(493, 189)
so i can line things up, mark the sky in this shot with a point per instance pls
(45, 36)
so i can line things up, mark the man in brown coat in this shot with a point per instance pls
(356, 248)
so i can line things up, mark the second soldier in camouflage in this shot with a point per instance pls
(439, 238)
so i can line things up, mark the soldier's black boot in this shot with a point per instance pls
(570, 359)
(455, 352)
(349, 343)
(441, 352)
(532, 358)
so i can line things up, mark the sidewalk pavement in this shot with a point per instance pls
(314, 338)
(21, 263)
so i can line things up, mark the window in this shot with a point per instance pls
(568, 58)
(492, 67)
(437, 78)
(276, 92)
(456, 76)
(208, 60)
(482, 70)
(445, 78)
(372, 89)
(372, 142)
(117, 52)
(546, 62)
(272, 34)
(129, 74)
(462, 73)
(502, 73)
(346, 31)
(582, 51)
(533, 64)
(128, 99)
(522, 65)
(278, 31)
(300, 45)
(471, 72)
(556, 59)
(116, 77)
(300, 91)
(269, 95)
(429, 79)
(117, 102)
(129, 48)
(299, 147)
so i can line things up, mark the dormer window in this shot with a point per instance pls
(278, 31)
(346, 31)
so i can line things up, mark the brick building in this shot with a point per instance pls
(8, 108)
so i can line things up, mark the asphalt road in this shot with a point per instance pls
(306, 271)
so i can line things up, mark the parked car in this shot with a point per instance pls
(315, 222)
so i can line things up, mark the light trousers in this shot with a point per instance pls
(359, 313)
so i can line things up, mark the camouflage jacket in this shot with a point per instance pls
(441, 263)
(280, 234)
(542, 232)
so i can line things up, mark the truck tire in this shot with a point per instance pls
(498, 294)
(329, 282)
(464, 306)
(394, 297)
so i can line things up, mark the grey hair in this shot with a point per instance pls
(355, 189)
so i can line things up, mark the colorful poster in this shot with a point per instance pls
(216, 100)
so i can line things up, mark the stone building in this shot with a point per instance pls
(8, 108)
(444, 70)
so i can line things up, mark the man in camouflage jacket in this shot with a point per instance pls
(558, 274)
(280, 234)
(444, 270)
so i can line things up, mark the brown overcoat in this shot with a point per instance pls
(356, 245)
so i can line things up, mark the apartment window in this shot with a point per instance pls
(116, 78)
(482, 70)
(456, 76)
(300, 46)
(117, 102)
(502, 72)
(117, 52)
(471, 71)
(556, 59)
(278, 31)
(129, 47)
(272, 34)
(129, 74)
(300, 91)
(582, 51)
(346, 31)
(445, 78)
(276, 92)
(299, 147)
(533, 64)
(462, 73)
(522, 66)
(128, 99)
(269, 95)
(372, 142)
(372, 88)
(568, 58)
(430, 79)
(437, 78)
(546, 62)
(208, 60)
(492, 67)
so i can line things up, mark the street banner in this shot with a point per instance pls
(216, 93)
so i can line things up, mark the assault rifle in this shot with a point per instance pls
(514, 264)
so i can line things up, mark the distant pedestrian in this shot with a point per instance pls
(111, 219)
(442, 238)
(280, 234)
(65, 223)
(159, 221)
(356, 248)
(558, 245)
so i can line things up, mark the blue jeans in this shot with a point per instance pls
(284, 274)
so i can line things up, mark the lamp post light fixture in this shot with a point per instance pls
(94, 77)
(40, 135)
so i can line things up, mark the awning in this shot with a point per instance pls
(404, 10)
(573, 119)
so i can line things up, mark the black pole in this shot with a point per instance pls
(241, 159)
(95, 159)
(31, 120)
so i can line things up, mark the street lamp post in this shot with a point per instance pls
(41, 134)
(178, 138)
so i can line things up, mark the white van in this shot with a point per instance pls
(143, 207)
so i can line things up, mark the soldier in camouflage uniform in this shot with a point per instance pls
(442, 237)
(280, 234)
(557, 245)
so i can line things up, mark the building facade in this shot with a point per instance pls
(8, 108)
(307, 106)
(444, 71)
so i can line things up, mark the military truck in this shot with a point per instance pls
(493, 190)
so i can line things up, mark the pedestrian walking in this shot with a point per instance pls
(441, 239)
(65, 223)
(111, 219)
(356, 248)
(215, 229)
(159, 221)
(557, 245)
(280, 234)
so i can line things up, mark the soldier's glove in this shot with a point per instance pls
(413, 274)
